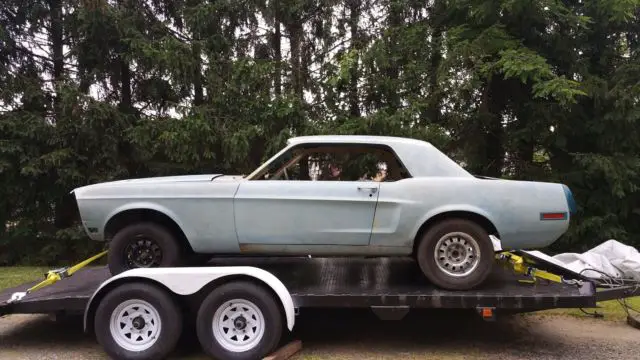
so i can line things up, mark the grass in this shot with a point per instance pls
(611, 310)
(17, 275)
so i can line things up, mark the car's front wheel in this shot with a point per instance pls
(456, 254)
(143, 245)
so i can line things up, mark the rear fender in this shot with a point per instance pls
(450, 208)
(187, 281)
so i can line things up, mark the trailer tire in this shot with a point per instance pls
(154, 311)
(257, 306)
(149, 237)
(465, 254)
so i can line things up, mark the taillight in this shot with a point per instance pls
(553, 216)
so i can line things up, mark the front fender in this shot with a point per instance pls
(187, 281)
(142, 205)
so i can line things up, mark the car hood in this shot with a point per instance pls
(159, 180)
(166, 179)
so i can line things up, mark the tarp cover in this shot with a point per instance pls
(612, 257)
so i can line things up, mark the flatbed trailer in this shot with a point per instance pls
(388, 286)
(338, 282)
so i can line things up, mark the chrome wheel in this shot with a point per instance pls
(457, 254)
(135, 325)
(238, 325)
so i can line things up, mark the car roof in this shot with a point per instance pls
(412, 153)
(370, 139)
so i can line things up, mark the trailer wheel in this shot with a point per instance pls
(143, 245)
(456, 254)
(137, 321)
(239, 320)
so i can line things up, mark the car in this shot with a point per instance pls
(327, 196)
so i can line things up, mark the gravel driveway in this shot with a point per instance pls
(359, 335)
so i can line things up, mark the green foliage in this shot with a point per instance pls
(537, 90)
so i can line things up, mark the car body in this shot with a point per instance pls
(280, 210)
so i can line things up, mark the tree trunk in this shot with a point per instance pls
(295, 36)
(433, 109)
(126, 104)
(125, 148)
(491, 116)
(56, 38)
(196, 49)
(354, 16)
(392, 71)
(277, 50)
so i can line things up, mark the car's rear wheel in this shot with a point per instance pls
(456, 254)
(144, 245)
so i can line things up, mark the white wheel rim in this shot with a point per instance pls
(238, 325)
(135, 325)
(457, 254)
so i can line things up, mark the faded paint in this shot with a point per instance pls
(233, 214)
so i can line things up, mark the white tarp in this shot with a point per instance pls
(612, 257)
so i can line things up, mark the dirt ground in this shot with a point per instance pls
(360, 335)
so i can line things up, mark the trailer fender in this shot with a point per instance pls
(187, 281)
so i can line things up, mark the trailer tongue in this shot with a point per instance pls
(260, 289)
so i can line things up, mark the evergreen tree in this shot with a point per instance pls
(97, 90)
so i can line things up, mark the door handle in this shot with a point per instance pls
(372, 189)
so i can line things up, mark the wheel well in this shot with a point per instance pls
(189, 304)
(467, 215)
(197, 298)
(128, 217)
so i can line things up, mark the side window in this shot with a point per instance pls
(336, 162)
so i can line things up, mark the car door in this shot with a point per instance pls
(282, 212)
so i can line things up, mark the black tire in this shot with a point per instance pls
(473, 233)
(261, 298)
(171, 254)
(169, 315)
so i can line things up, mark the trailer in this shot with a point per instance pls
(241, 306)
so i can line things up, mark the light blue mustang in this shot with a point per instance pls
(330, 196)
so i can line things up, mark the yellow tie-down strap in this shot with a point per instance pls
(519, 266)
(53, 276)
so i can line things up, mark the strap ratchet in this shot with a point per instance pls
(520, 267)
(55, 275)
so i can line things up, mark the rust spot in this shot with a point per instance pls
(253, 248)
